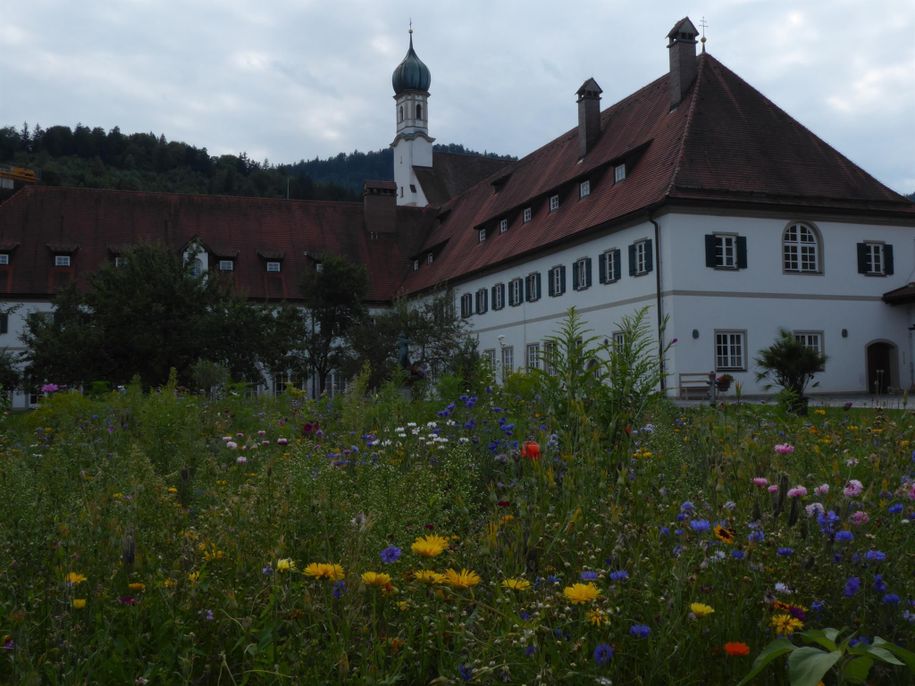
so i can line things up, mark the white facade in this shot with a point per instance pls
(837, 307)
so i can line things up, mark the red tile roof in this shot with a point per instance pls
(98, 224)
(724, 143)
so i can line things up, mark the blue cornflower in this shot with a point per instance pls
(664, 531)
(859, 640)
(827, 521)
(895, 508)
(700, 525)
(687, 506)
(588, 575)
(470, 424)
(619, 575)
(852, 586)
(640, 630)
(465, 672)
(891, 599)
(879, 583)
(844, 536)
(875, 556)
(785, 551)
(603, 653)
(756, 536)
(677, 550)
(817, 606)
(553, 579)
(738, 554)
(339, 589)
(530, 650)
(391, 554)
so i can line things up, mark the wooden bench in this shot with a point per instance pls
(696, 385)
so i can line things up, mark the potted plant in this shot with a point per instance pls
(724, 382)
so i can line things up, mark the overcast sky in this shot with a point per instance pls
(293, 79)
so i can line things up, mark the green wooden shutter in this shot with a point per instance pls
(710, 251)
(862, 258)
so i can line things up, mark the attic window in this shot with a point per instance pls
(226, 265)
(526, 215)
(319, 267)
(412, 187)
(430, 258)
(274, 266)
(503, 225)
(61, 260)
(4, 258)
(554, 202)
(120, 261)
(619, 172)
(416, 265)
(481, 235)
(499, 183)
(584, 188)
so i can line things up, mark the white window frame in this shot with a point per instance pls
(532, 287)
(811, 339)
(490, 356)
(641, 257)
(481, 301)
(4, 258)
(584, 188)
(549, 356)
(801, 251)
(503, 225)
(556, 280)
(62, 261)
(527, 215)
(226, 265)
(730, 350)
(611, 265)
(466, 305)
(430, 258)
(338, 383)
(874, 258)
(554, 202)
(516, 288)
(533, 356)
(508, 360)
(481, 236)
(416, 265)
(581, 267)
(498, 296)
(120, 261)
(274, 266)
(725, 251)
(619, 173)
(619, 341)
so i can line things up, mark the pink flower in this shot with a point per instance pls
(797, 492)
(241, 459)
(231, 445)
(859, 518)
(773, 488)
(912, 491)
(822, 489)
(261, 432)
(784, 448)
(760, 481)
(50, 388)
(853, 489)
(282, 441)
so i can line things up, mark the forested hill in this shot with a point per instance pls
(94, 158)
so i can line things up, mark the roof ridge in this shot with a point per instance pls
(687, 125)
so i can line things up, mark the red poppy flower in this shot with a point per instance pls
(503, 503)
(530, 450)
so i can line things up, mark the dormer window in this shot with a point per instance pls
(416, 265)
(319, 267)
(619, 172)
(61, 260)
(481, 235)
(120, 261)
(274, 266)
(554, 202)
(430, 258)
(527, 215)
(4, 258)
(584, 188)
(226, 265)
(503, 225)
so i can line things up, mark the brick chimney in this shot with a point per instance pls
(683, 64)
(379, 204)
(588, 116)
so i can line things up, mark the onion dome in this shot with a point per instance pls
(411, 74)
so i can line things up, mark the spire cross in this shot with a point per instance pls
(703, 24)
(411, 26)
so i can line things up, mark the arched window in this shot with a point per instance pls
(400, 116)
(419, 111)
(801, 249)
(197, 267)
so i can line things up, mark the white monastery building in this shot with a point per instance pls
(695, 197)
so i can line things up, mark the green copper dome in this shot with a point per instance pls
(411, 74)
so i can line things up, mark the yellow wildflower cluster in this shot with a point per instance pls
(785, 624)
(427, 576)
(516, 584)
(461, 579)
(597, 617)
(430, 546)
(642, 453)
(376, 579)
(75, 578)
(325, 570)
(285, 564)
(701, 609)
(579, 594)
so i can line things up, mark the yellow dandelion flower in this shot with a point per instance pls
(579, 594)
(430, 546)
(137, 586)
(516, 584)
(427, 576)
(78, 603)
(597, 617)
(785, 624)
(701, 609)
(285, 564)
(75, 578)
(325, 570)
(376, 579)
(462, 579)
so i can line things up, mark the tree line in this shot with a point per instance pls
(152, 313)
(94, 158)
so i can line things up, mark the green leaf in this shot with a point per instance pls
(774, 650)
(883, 655)
(821, 637)
(906, 656)
(807, 666)
(856, 671)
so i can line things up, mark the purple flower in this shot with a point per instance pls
(875, 556)
(879, 583)
(738, 554)
(895, 508)
(267, 570)
(465, 672)
(588, 575)
(817, 606)
(390, 555)
(700, 525)
(619, 575)
(891, 599)
(687, 506)
(797, 492)
(852, 586)
(530, 650)
(757, 536)
(640, 630)
(853, 489)
(785, 551)
(844, 536)
(603, 653)
(50, 388)
(339, 589)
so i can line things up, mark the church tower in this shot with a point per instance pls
(412, 144)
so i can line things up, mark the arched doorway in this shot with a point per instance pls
(881, 367)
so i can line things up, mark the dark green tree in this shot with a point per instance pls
(334, 294)
(790, 365)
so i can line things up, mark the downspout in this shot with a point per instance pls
(657, 262)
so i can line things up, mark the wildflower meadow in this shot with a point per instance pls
(516, 534)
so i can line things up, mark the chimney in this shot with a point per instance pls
(379, 204)
(588, 116)
(683, 64)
